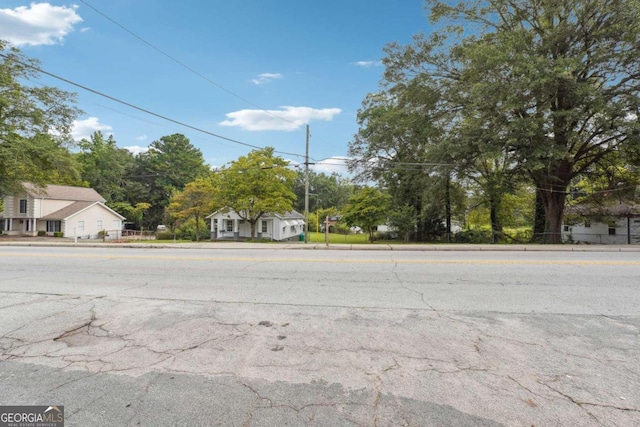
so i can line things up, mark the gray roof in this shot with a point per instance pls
(618, 210)
(68, 211)
(74, 208)
(63, 192)
(288, 215)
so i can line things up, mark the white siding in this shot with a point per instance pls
(50, 206)
(598, 232)
(91, 216)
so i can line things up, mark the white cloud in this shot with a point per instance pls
(37, 24)
(141, 138)
(266, 78)
(285, 119)
(368, 64)
(332, 164)
(84, 128)
(85, 29)
(136, 149)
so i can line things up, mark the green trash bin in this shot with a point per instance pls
(302, 237)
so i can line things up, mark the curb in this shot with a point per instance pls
(337, 247)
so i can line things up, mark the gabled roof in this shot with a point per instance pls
(618, 210)
(74, 209)
(287, 215)
(63, 192)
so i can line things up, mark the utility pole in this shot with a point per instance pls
(306, 190)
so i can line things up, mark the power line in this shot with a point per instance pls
(182, 64)
(128, 104)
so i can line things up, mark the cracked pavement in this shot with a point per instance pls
(131, 355)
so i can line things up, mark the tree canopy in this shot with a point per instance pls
(35, 125)
(367, 209)
(256, 184)
(549, 88)
(106, 167)
(198, 199)
(169, 165)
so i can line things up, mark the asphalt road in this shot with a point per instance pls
(328, 338)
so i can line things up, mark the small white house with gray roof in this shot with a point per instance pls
(226, 224)
(74, 211)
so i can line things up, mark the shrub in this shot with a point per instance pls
(58, 234)
(187, 230)
(473, 236)
(164, 235)
(42, 233)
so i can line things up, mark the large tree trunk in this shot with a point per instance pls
(539, 220)
(253, 228)
(554, 210)
(553, 190)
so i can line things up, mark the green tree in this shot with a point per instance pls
(198, 199)
(400, 130)
(169, 165)
(256, 184)
(35, 126)
(562, 75)
(106, 167)
(403, 219)
(134, 213)
(328, 190)
(367, 208)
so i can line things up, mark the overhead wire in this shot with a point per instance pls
(182, 64)
(144, 110)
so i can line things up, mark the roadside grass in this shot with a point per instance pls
(362, 238)
(519, 233)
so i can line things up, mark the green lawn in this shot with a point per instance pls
(339, 238)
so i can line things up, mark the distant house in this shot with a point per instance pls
(611, 225)
(227, 225)
(74, 211)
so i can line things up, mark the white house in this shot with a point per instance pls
(227, 225)
(612, 225)
(74, 211)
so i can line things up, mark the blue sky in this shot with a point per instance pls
(302, 61)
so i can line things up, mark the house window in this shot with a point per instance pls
(215, 225)
(612, 229)
(80, 228)
(54, 226)
(293, 228)
(264, 226)
(566, 228)
(587, 223)
(229, 225)
(99, 224)
(23, 206)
